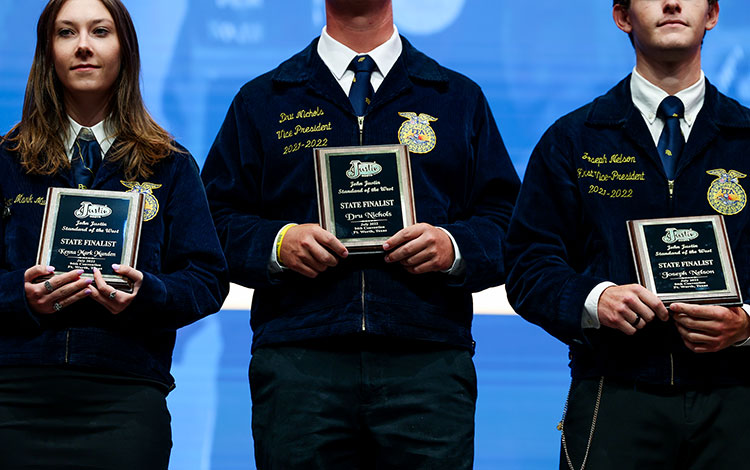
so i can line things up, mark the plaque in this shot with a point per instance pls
(365, 194)
(86, 229)
(685, 259)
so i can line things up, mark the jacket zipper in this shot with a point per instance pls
(670, 183)
(671, 369)
(67, 346)
(364, 324)
(361, 124)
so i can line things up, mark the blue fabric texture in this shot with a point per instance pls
(185, 274)
(259, 176)
(592, 171)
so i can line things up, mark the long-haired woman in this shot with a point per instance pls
(84, 367)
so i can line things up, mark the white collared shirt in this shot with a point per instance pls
(337, 58)
(102, 132)
(647, 97)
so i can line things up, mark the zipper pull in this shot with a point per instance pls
(671, 188)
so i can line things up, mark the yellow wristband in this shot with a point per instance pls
(279, 240)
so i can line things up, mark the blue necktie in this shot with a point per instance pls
(671, 110)
(361, 91)
(86, 158)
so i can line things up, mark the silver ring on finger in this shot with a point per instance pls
(57, 306)
(113, 294)
(48, 286)
(637, 320)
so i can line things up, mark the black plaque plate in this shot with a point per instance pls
(685, 259)
(86, 229)
(365, 194)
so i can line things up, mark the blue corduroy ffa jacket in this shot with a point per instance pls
(593, 170)
(185, 274)
(259, 176)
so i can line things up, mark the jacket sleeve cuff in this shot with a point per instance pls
(480, 266)
(252, 266)
(590, 318)
(458, 267)
(152, 295)
(573, 299)
(746, 308)
(274, 265)
(13, 300)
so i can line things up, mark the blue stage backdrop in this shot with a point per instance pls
(535, 63)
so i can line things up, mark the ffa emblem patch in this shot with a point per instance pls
(416, 133)
(151, 204)
(725, 195)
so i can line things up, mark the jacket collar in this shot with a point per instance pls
(616, 107)
(103, 133)
(107, 170)
(301, 67)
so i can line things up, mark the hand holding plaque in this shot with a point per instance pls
(685, 259)
(364, 194)
(87, 229)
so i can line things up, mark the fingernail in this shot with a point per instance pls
(50, 269)
(115, 267)
(386, 246)
(87, 291)
(79, 271)
(96, 270)
(89, 281)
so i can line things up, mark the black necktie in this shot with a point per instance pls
(361, 91)
(86, 158)
(671, 110)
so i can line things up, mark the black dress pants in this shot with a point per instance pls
(363, 404)
(657, 427)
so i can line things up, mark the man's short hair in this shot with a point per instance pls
(626, 3)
